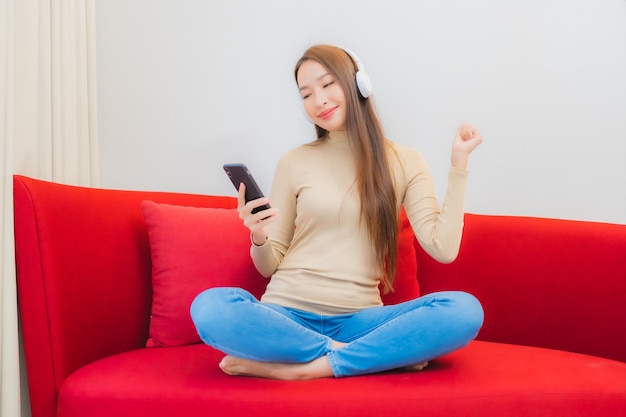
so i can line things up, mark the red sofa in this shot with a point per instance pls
(553, 342)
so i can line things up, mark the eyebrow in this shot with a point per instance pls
(317, 79)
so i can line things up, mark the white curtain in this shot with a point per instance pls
(48, 130)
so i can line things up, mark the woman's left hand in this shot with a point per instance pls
(467, 138)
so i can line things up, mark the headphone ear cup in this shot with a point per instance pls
(363, 83)
(362, 80)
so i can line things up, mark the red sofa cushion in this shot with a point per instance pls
(194, 248)
(517, 380)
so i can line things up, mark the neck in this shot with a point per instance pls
(337, 135)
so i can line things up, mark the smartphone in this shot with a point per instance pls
(239, 173)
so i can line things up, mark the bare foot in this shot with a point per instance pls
(418, 367)
(319, 368)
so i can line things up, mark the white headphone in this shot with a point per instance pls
(363, 82)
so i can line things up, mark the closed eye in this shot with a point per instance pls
(328, 84)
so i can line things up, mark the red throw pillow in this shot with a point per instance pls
(193, 249)
(196, 248)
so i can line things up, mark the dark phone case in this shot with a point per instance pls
(239, 173)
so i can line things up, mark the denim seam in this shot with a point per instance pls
(333, 360)
(367, 332)
(393, 320)
(333, 364)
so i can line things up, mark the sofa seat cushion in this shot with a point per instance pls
(515, 380)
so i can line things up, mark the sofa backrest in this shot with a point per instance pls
(551, 283)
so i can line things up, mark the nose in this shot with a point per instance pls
(320, 99)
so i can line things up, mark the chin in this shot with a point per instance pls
(332, 127)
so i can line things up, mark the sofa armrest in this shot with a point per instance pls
(550, 283)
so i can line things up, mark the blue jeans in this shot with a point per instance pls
(378, 338)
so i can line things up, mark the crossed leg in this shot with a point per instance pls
(404, 336)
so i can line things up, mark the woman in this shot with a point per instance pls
(330, 239)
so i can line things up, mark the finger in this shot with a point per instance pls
(461, 129)
(261, 219)
(248, 213)
(468, 132)
(258, 203)
(264, 215)
(474, 142)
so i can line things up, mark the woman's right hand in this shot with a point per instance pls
(467, 138)
(256, 222)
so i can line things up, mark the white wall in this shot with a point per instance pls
(186, 85)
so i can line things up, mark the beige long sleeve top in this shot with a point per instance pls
(318, 254)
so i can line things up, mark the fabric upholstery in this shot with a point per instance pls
(485, 379)
(83, 276)
(553, 283)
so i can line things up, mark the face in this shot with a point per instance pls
(323, 98)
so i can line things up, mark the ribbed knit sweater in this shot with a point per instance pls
(319, 255)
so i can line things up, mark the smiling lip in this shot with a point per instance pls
(327, 113)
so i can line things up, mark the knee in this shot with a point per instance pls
(211, 304)
(471, 313)
(466, 313)
(213, 313)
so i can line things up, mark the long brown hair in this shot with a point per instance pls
(375, 181)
